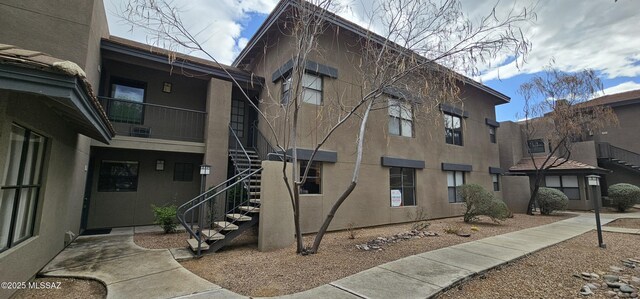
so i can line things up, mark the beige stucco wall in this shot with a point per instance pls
(218, 102)
(276, 227)
(370, 202)
(113, 209)
(516, 193)
(60, 199)
(626, 135)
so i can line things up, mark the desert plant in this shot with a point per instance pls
(165, 217)
(479, 201)
(419, 219)
(350, 230)
(551, 200)
(624, 196)
(453, 230)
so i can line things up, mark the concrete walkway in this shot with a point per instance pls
(130, 271)
(127, 270)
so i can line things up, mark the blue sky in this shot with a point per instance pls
(602, 35)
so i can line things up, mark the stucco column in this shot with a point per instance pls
(217, 129)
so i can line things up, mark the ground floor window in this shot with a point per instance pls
(118, 176)
(568, 184)
(455, 179)
(496, 182)
(20, 186)
(313, 184)
(183, 172)
(403, 186)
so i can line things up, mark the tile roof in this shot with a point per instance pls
(526, 164)
(13, 55)
(613, 98)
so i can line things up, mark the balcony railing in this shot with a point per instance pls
(154, 121)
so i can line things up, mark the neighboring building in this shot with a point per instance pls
(48, 116)
(613, 153)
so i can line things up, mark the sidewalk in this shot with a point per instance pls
(130, 271)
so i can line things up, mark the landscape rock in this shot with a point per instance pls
(592, 286)
(615, 285)
(611, 278)
(611, 294)
(615, 269)
(378, 243)
(625, 288)
(585, 291)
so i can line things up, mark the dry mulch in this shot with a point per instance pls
(70, 288)
(549, 272)
(243, 269)
(625, 223)
(160, 240)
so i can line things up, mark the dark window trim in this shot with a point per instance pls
(537, 147)
(452, 131)
(311, 67)
(492, 123)
(457, 197)
(400, 119)
(402, 187)
(321, 156)
(495, 170)
(126, 82)
(446, 108)
(401, 162)
(457, 167)
(19, 186)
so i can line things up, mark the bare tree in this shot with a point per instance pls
(410, 64)
(555, 112)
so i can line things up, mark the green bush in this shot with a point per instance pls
(551, 200)
(166, 217)
(480, 202)
(624, 196)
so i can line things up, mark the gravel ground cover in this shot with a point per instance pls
(555, 272)
(70, 288)
(626, 223)
(160, 240)
(243, 269)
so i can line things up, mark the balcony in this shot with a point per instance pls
(146, 120)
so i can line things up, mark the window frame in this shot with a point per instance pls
(493, 134)
(495, 179)
(115, 189)
(317, 177)
(562, 186)
(400, 118)
(238, 111)
(451, 131)
(112, 103)
(537, 147)
(287, 85)
(185, 175)
(34, 185)
(403, 187)
(457, 198)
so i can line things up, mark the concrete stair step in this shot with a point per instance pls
(250, 209)
(239, 217)
(254, 193)
(225, 226)
(193, 244)
(212, 234)
(255, 200)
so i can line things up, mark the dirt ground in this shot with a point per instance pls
(626, 223)
(69, 288)
(243, 269)
(549, 272)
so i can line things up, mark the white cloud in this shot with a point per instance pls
(601, 35)
(219, 24)
(622, 87)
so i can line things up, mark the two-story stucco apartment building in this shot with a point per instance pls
(92, 149)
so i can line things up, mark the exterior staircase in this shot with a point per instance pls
(608, 153)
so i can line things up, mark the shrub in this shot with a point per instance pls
(480, 202)
(624, 196)
(166, 217)
(551, 200)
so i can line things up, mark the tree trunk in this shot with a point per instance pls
(534, 193)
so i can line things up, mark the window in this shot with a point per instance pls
(127, 105)
(311, 89)
(455, 179)
(568, 184)
(402, 183)
(237, 117)
(313, 184)
(400, 118)
(496, 182)
(118, 176)
(453, 129)
(492, 134)
(21, 185)
(535, 146)
(183, 172)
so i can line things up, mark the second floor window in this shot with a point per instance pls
(495, 178)
(128, 104)
(535, 146)
(492, 134)
(311, 89)
(400, 118)
(453, 129)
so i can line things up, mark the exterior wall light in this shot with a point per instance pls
(205, 169)
(159, 165)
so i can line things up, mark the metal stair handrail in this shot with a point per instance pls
(608, 151)
(262, 146)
